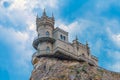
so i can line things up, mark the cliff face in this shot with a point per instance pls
(55, 69)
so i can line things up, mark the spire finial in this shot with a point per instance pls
(52, 16)
(44, 13)
(76, 38)
(86, 43)
(37, 16)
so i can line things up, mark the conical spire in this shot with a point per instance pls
(86, 42)
(76, 38)
(52, 16)
(44, 12)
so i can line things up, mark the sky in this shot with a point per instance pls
(95, 21)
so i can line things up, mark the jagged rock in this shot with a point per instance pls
(55, 69)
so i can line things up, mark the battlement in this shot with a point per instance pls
(45, 20)
(82, 45)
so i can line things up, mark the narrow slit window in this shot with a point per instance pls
(61, 37)
(48, 50)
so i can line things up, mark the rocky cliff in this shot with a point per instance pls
(56, 69)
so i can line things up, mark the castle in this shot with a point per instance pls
(58, 59)
(53, 43)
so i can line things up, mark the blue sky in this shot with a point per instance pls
(97, 22)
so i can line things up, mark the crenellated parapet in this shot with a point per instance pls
(45, 20)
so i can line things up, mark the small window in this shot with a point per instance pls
(48, 50)
(47, 34)
(83, 54)
(61, 37)
(64, 38)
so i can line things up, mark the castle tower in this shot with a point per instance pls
(44, 27)
(53, 42)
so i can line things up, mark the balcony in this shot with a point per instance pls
(91, 62)
(44, 53)
(38, 40)
(72, 56)
(56, 53)
(64, 55)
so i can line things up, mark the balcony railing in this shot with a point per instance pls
(39, 37)
(82, 58)
(64, 53)
(45, 51)
(38, 40)
(42, 52)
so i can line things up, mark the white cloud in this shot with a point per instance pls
(74, 28)
(30, 4)
(19, 41)
(16, 35)
(21, 44)
(115, 66)
(20, 14)
(97, 46)
(115, 55)
(102, 5)
(19, 5)
(115, 37)
(46, 3)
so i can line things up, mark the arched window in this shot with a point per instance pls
(48, 50)
(47, 34)
(62, 37)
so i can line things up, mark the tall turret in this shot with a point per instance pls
(44, 27)
(75, 45)
(44, 22)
